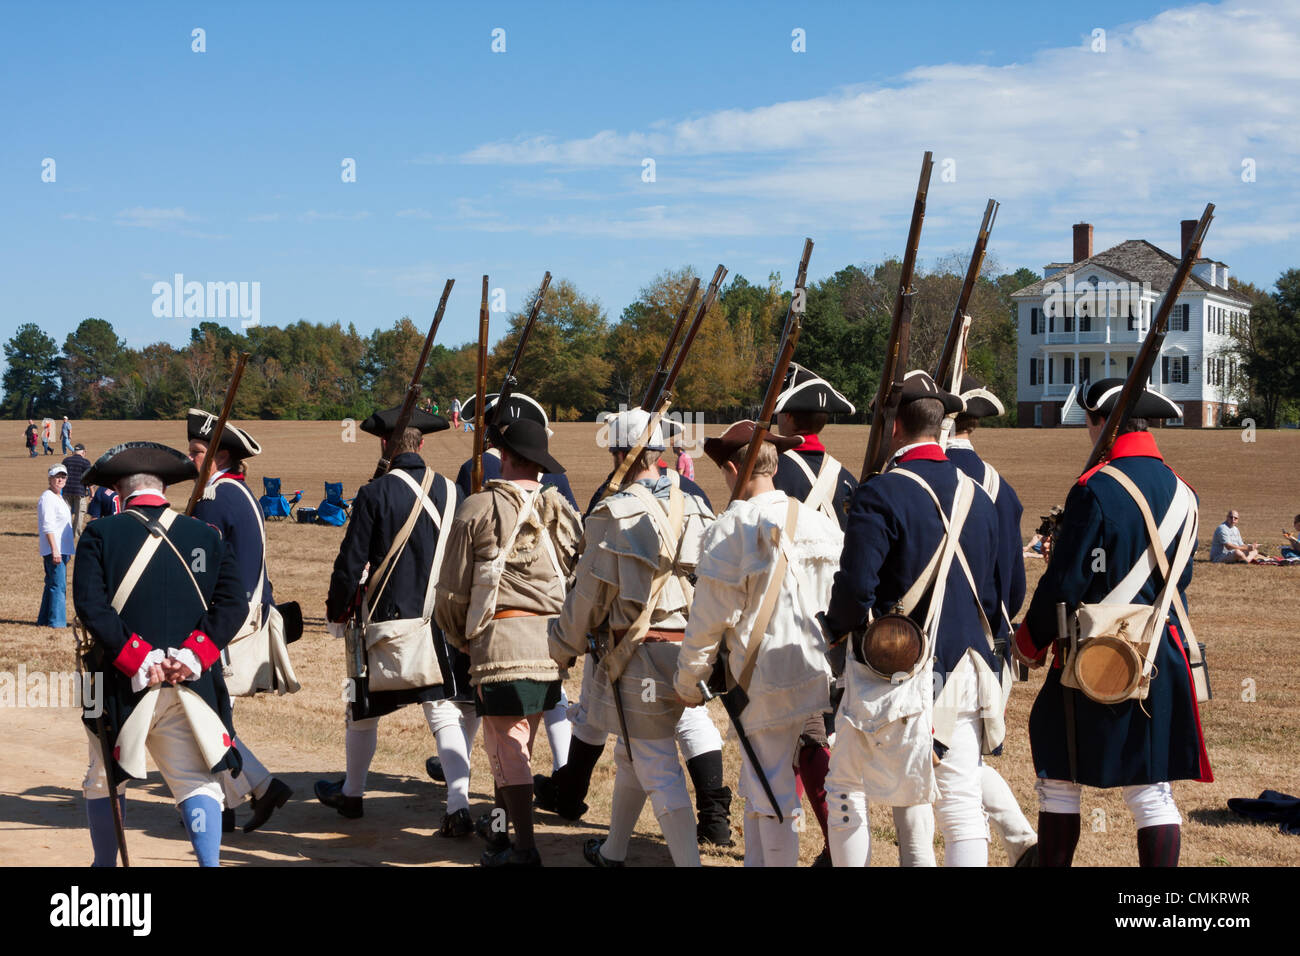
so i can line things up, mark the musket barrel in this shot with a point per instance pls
(214, 441)
(480, 394)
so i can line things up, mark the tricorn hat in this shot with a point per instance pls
(1100, 398)
(140, 458)
(526, 439)
(382, 423)
(724, 446)
(622, 429)
(917, 384)
(240, 444)
(980, 402)
(518, 407)
(804, 391)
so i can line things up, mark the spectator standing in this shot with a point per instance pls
(29, 437)
(1227, 547)
(54, 527)
(66, 435)
(74, 492)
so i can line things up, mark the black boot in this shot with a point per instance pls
(565, 792)
(331, 794)
(712, 799)
(276, 796)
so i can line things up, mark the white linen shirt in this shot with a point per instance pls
(53, 516)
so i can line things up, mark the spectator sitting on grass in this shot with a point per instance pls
(1228, 547)
(1292, 551)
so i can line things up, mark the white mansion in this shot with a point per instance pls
(1084, 321)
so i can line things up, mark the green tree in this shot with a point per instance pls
(1269, 347)
(31, 378)
(91, 357)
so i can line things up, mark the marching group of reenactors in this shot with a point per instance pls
(476, 606)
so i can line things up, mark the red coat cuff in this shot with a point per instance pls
(1025, 644)
(132, 655)
(207, 652)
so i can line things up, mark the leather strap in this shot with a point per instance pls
(439, 521)
(157, 536)
(822, 494)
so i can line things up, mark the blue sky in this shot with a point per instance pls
(225, 165)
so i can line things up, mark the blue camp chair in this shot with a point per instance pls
(275, 506)
(335, 508)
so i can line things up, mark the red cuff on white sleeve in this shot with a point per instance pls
(132, 655)
(1025, 644)
(203, 648)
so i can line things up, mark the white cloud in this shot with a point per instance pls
(153, 217)
(1136, 138)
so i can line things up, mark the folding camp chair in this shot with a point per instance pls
(275, 506)
(335, 508)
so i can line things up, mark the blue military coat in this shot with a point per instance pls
(893, 530)
(791, 479)
(234, 512)
(1011, 552)
(1132, 742)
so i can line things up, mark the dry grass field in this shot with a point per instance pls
(1244, 615)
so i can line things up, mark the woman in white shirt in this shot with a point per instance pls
(54, 524)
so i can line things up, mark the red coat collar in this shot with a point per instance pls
(146, 499)
(232, 475)
(927, 452)
(1128, 445)
(811, 443)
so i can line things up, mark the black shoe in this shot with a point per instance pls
(227, 820)
(510, 857)
(1029, 857)
(591, 853)
(276, 796)
(497, 840)
(433, 767)
(546, 794)
(458, 824)
(331, 794)
(823, 859)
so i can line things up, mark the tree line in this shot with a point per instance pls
(578, 362)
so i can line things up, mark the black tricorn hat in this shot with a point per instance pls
(804, 391)
(740, 433)
(383, 422)
(199, 426)
(518, 407)
(980, 402)
(140, 458)
(526, 439)
(1100, 398)
(918, 384)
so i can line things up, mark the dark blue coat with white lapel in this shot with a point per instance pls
(1011, 551)
(378, 513)
(492, 469)
(235, 513)
(892, 533)
(791, 479)
(163, 611)
(1118, 744)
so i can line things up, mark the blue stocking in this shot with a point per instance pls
(202, 816)
(103, 834)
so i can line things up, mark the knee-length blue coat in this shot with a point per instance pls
(1102, 536)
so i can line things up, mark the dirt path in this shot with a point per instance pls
(42, 821)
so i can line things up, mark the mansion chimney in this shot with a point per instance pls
(1083, 241)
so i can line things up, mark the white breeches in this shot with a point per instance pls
(173, 749)
(695, 731)
(1151, 804)
(656, 770)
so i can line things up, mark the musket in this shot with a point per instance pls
(734, 701)
(949, 363)
(789, 339)
(1138, 375)
(594, 650)
(511, 382)
(214, 440)
(84, 646)
(660, 376)
(662, 398)
(413, 390)
(890, 393)
(476, 471)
